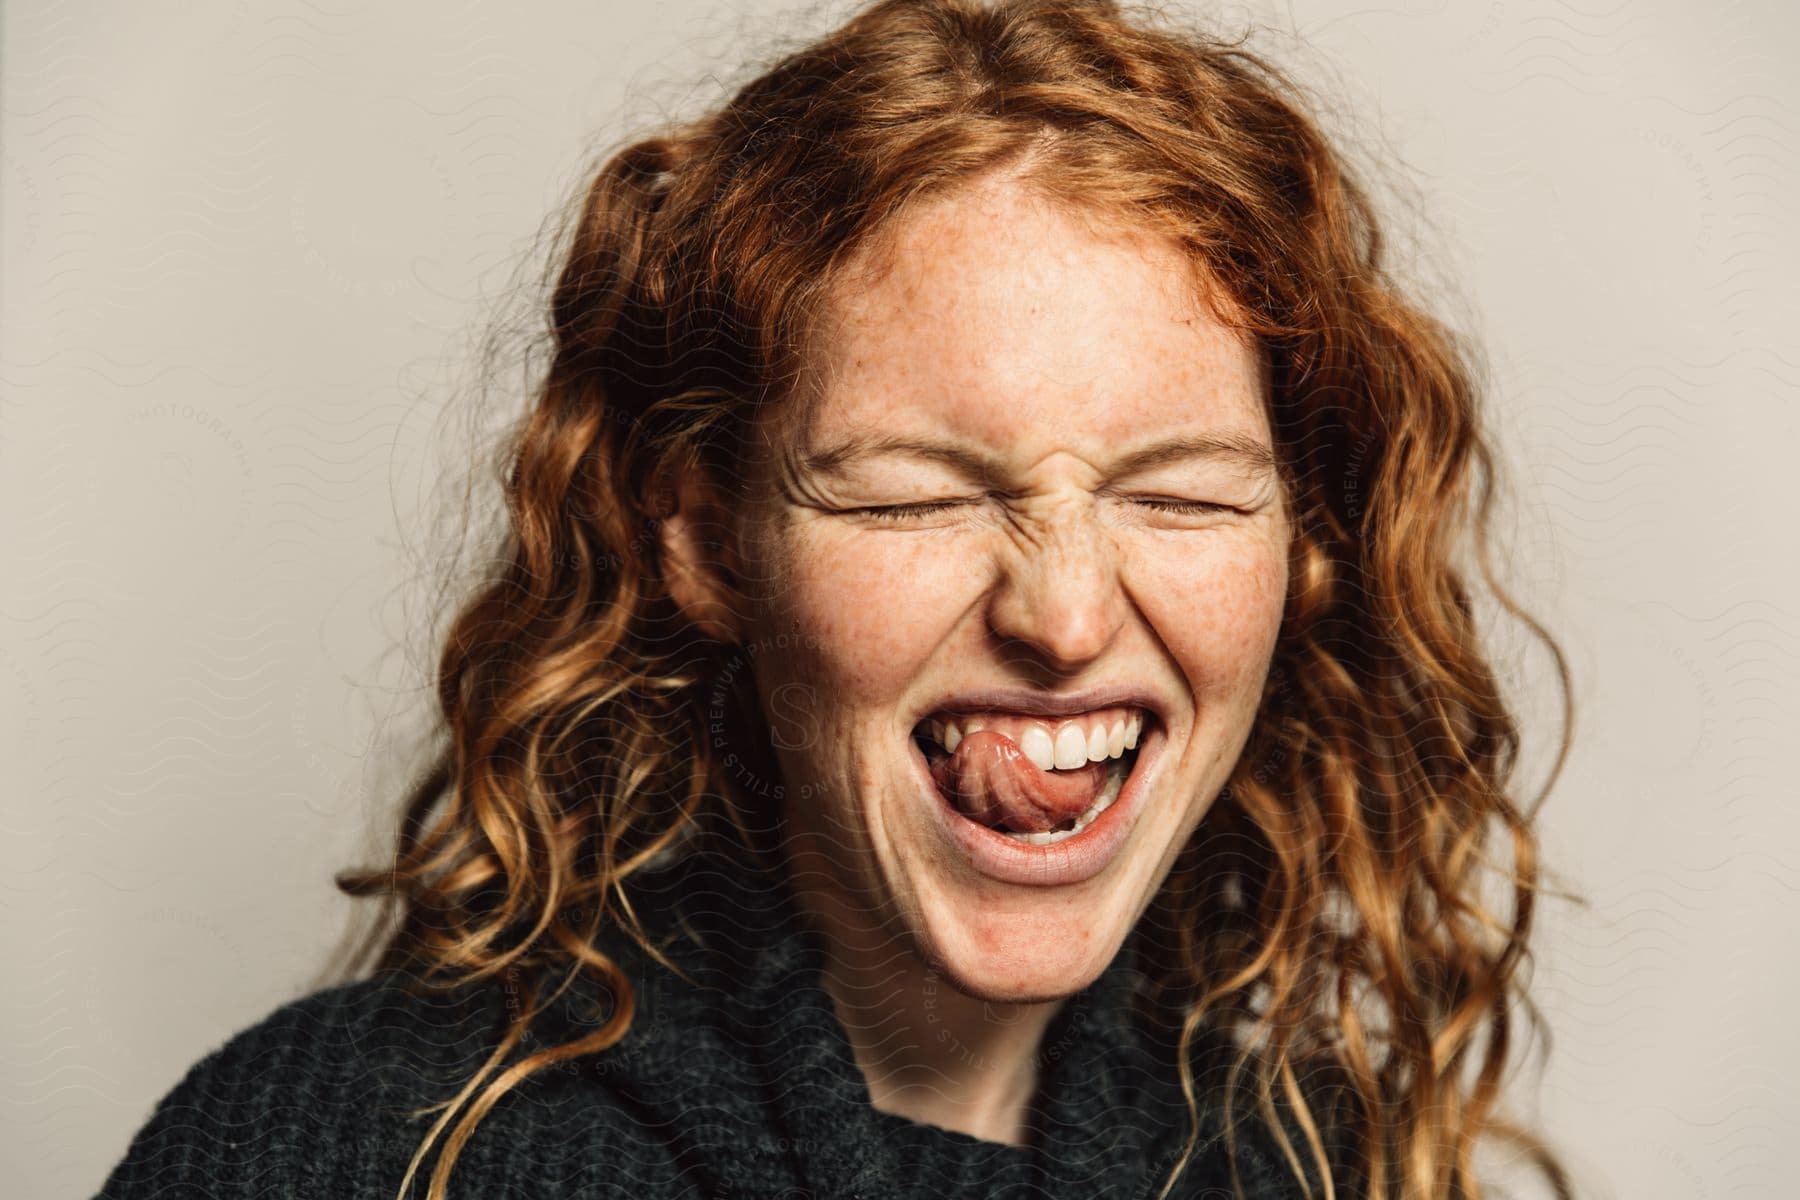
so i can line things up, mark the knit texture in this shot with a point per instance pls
(739, 1084)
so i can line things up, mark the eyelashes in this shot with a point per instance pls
(904, 512)
(1185, 508)
(896, 513)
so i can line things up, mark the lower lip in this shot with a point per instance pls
(1072, 860)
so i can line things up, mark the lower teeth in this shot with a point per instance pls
(1109, 791)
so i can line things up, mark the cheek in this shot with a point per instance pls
(1217, 608)
(869, 609)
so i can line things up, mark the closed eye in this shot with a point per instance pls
(932, 508)
(1189, 508)
(906, 512)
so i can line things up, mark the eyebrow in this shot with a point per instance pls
(833, 459)
(1247, 452)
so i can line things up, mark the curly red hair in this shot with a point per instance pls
(1328, 910)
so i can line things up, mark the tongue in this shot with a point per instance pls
(990, 781)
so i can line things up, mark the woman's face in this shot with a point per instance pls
(1110, 547)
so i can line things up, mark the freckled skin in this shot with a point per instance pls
(1052, 349)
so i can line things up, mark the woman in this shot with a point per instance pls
(980, 698)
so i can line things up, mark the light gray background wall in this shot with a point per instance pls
(247, 250)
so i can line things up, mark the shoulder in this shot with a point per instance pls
(317, 1098)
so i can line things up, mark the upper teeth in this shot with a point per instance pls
(1058, 746)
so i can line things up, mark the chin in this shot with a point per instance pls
(1027, 957)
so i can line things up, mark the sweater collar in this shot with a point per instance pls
(752, 1067)
(1090, 1064)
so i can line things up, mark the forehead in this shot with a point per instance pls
(998, 317)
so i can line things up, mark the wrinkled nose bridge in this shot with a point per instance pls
(1068, 542)
(1059, 586)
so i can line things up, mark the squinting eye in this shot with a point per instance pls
(1181, 507)
(902, 512)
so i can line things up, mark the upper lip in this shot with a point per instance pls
(1030, 702)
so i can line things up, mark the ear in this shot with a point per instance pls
(700, 566)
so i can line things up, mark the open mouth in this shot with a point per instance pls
(1035, 780)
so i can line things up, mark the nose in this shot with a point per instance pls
(1059, 592)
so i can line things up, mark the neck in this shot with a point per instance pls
(929, 1052)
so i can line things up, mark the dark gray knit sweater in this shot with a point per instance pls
(742, 1086)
